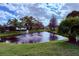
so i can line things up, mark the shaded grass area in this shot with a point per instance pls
(11, 33)
(54, 48)
(38, 30)
(42, 30)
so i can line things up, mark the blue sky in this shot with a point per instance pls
(42, 11)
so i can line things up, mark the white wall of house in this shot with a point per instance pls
(21, 28)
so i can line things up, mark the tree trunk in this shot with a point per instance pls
(72, 39)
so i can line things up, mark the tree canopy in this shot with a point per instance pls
(73, 14)
(69, 27)
(53, 23)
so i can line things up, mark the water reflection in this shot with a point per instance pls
(32, 38)
(12, 39)
(53, 36)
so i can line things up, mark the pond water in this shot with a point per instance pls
(32, 38)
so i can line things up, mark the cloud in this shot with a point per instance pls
(43, 11)
(69, 7)
(4, 16)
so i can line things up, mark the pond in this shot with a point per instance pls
(38, 37)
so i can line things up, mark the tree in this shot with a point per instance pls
(37, 24)
(68, 28)
(12, 22)
(31, 23)
(2, 29)
(53, 23)
(73, 14)
(27, 22)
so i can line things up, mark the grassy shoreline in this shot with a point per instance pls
(54, 48)
(13, 33)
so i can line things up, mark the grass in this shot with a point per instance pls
(38, 30)
(54, 48)
(12, 33)
(42, 30)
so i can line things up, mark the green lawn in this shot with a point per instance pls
(42, 30)
(38, 30)
(54, 48)
(11, 33)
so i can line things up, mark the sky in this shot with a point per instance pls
(42, 11)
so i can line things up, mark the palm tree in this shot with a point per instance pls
(12, 24)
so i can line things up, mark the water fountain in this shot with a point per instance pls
(27, 31)
(27, 28)
(7, 41)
